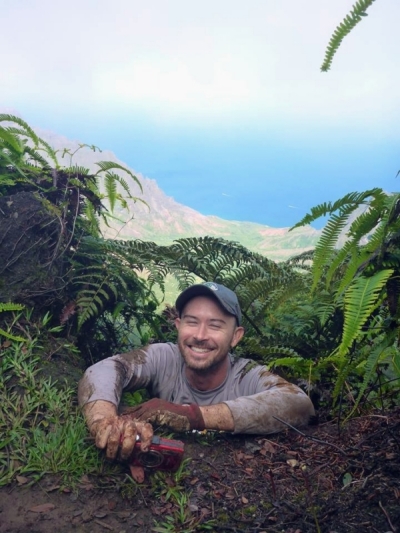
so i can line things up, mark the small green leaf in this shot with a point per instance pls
(347, 479)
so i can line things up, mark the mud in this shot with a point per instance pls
(317, 480)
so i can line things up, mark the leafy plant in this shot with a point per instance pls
(355, 16)
(84, 285)
(10, 307)
(363, 278)
(182, 519)
(40, 426)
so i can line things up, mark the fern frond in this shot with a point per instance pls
(329, 208)
(376, 354)
(10, 306)
(357, 257)
(110, 165)
(326, 246)
(28, 131)
(36, 157)
(8, 140)
(77, 170)
(11, 337)
(111, 190)
(347, 25)
(360, 300)
(396, 362)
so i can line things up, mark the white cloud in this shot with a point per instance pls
(209, 59)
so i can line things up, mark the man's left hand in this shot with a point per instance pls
(160, 412)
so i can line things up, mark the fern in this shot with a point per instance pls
(10, 306)
(376, 354)
(110, 185)
(325, 249)
(26, 129)
(347, 25)
(321, 210)
(106, 166)
(361, 299)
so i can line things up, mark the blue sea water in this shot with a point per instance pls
(259, 179)
(271, 175)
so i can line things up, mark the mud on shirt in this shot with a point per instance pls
(253, 394)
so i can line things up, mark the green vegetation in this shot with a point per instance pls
(329, 317)
(355, 16)
(42, 430)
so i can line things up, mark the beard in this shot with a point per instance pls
(203, 364)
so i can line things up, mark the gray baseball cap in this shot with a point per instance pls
(225, 297)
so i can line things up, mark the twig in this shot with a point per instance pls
(142, 495)
(210, 464)
(309, 436)
(394, 529)
(106, 526)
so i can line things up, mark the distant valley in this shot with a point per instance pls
(165, 219)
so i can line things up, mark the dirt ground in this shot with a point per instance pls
(319, 481)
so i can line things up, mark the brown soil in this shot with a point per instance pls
(288, 483)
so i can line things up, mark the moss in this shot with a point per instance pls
(223, 518)
(250, 510)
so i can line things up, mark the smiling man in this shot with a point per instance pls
(196, 384)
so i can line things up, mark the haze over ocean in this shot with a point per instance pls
(268, 178)
(223, 105)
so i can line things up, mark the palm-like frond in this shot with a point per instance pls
(347, 25)
(377, 353)
(321, 210)
(361, 299)
(106, 166)
(26, 129)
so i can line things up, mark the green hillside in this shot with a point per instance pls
(164, 219)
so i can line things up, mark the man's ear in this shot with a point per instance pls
(177, 322)
(237, 336)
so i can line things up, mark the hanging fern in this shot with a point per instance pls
(376, 354)
(361, 299)
(347, 25)
(10, 306)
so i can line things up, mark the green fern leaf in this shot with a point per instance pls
(110, 165)
(376, 354)
(28, 131)
(10, 306)
(11, 336)
(110, 185)
(396, 362)
(360, 299)
(345, 27)
(329, 208)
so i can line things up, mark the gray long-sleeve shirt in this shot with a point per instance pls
(253, 394)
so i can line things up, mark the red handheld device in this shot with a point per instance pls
(163, 454)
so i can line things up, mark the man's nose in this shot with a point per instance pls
(201, 332)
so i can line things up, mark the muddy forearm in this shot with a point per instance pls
(256, 413)
(106, 380)
(97, 410)
(217, 417)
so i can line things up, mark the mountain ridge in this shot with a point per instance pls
(164, 219)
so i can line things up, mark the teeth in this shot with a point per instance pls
(200, 350)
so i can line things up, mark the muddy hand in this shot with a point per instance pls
(117, 435)
(160, 412)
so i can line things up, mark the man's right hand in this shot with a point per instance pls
(116, 434)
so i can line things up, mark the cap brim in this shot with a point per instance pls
(191, 292)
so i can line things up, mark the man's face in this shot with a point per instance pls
(206, 333)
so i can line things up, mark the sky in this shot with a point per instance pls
(222, 102)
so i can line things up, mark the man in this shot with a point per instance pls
(196, 384)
